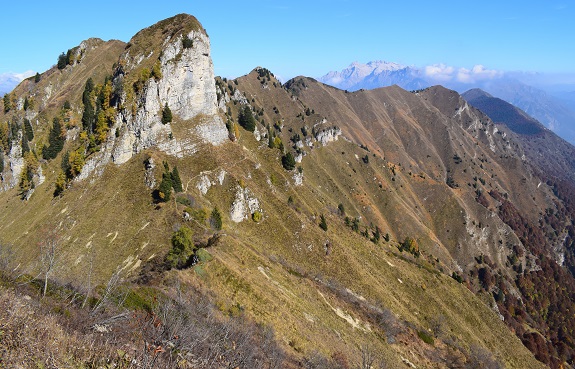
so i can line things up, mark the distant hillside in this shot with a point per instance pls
(548, 152)
(504, 113)
(552, 112)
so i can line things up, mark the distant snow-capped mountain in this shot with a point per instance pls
(373, 75)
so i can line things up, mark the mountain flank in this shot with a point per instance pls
(548, 152)
(172, 218)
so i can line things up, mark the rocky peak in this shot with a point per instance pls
(167, 64)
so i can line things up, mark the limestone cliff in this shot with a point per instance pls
(167, 64)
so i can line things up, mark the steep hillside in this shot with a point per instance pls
(386, 226)
(549, 153)
(504, 113)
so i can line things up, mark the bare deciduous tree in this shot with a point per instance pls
(49, 253)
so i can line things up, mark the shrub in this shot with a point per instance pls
(187, 42)
(410, 245)
(182, 248)
(156, 70)
(323, 223)
(200, 215)
(425, 337)
(257, 216)
(37, 77)
(457, 277)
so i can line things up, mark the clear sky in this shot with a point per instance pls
(310, 37)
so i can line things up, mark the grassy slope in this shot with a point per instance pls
(277, 271)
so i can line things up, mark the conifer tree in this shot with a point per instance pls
(288, 161)
(176, 181)
(166, 114)
(1, 161)
(29, 132)
(62, 61)
(56, 141)
(37, 77)
(7, 103)
(25, 145)
(89, 116)
(246, 119)
(26, 103)
(165, 189)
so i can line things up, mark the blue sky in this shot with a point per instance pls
(310, 37)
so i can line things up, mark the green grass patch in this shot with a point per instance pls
(425, 337)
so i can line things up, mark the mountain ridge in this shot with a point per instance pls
(549, 110)
(341, 220)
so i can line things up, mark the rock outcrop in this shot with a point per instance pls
(165, 65)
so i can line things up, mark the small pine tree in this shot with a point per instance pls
(165, 189)
(69, 57)
(176, 181)
(56, 141)
(246, 119)
(1, 161)
(323, 223)
(166, 114)
(26, 103)
(25, 145)
(376, 235)
(7, 103)
(28, 130)
(62, 61)
(37, 77)
(288, 161)
(88, 116)
(341, 209)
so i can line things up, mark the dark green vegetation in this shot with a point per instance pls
(373, 250)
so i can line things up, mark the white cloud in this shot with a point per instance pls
(439, 72)
(477, 74)
(445, 73)
(10, 80)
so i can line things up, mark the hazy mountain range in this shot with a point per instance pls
(556, 111)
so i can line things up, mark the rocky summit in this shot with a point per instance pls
(154, 215)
